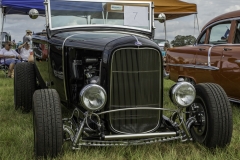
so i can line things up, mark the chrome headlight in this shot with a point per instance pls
(183, 94)
(93, 97)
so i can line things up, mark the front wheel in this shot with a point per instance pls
(213, 113)
(24, 85)
(47, 123)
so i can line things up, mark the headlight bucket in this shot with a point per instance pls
(183, 94)
(93, 97)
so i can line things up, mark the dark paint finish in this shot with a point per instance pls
(81, 45)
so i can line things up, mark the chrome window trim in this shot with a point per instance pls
(121, 32)
(230, 44)
(142, 105)
(224, 20)
(212, 24)
(151, 17)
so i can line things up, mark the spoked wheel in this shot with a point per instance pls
(213, 113)
(199, 129)
(47, 123)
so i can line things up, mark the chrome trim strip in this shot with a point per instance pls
(64, 79)
(111, 26)
(183, 65)
(194, 66)
(178, 12)
(111, 87)
(153, 23)
(209, 56)
(122, 32)
(127, 142)
(204, 45)
(234, 100)
(145, 105)
(212, 24)
(138, 136)
(97, 26)
(206, 67)
(46, 12)
(229, 44)
(134, 71)
(138, 108)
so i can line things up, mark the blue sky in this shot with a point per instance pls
(17, 24)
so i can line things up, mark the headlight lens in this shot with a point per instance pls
(183, 94)
(93, 97)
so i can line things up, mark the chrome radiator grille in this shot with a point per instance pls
(135, 81)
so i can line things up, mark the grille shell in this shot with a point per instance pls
(135, 81)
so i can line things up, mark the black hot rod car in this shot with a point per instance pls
(101, 62)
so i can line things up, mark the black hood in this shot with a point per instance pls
(93, 40)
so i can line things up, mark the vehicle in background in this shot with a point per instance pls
(164, 45)
(102, 64)
(215, 57)
(161, 44)
(5, 37)
(18, 44)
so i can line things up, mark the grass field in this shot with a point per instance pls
(16, 138)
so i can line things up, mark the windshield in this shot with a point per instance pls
(66, 14)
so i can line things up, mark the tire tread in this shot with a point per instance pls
(47, 113)
(219, 115)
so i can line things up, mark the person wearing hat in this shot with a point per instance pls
(8, 56)
(28, 36)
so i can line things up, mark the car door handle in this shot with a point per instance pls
(227, 49)
(202, 49)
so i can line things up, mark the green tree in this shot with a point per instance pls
(183, 40)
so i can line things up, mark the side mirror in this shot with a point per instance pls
(33, 13)
(161, 17)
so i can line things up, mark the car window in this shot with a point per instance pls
(84, 14)
(237, 34)
(219, 33)
(202, 39)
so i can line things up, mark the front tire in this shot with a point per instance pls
(213, 113)
(47, 121)
(24, 85)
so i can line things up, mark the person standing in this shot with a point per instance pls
(8, 57)
(25, 51)
(28, 36)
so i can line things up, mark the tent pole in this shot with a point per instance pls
(2, 19)
(197, 23)
(165, 31)
(1, 26)
(194, 25)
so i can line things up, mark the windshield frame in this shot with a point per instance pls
(149, 3)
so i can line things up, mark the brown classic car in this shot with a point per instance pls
(215, 57)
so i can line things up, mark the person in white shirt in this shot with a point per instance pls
(25, 51)
(8, 56)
